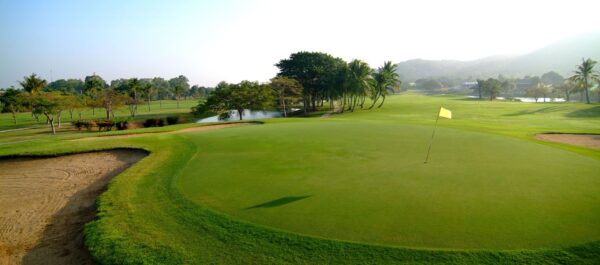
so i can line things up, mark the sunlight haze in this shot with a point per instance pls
(210, 41)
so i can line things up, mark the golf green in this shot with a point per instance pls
(364, 180)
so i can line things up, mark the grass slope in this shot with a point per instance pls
(150, 215)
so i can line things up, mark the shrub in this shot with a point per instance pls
(79, 124)
(122, 125)
(154, 122)
(105, 124)
(172, 120)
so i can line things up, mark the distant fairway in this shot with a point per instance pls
(363, 180)
(351, 188)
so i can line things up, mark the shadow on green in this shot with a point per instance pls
(585, 113)
(540, 110)
(279, 202)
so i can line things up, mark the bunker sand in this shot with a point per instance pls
(45, 203)
(585, 140)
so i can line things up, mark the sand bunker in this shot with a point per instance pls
(187, 130)
(585, 140)
(44, 203)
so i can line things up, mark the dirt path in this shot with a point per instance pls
(585, 140)
(44, 203)
(336, 109)
(187, 130)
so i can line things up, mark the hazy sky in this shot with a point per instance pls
(210, 41)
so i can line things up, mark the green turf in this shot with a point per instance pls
(250, 195)
(367, 182)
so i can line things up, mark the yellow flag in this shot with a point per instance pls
(445, 113)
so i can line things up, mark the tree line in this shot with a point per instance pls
(307, 80)
(51, 100)
(548, 85)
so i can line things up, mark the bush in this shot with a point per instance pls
(122, 125)
(107, 125)
(154, 122)
(84, 124)
(172, 120)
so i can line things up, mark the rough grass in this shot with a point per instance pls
(155, 212)
(169, 107)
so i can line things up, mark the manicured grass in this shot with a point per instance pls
(366, 181)
(252, 194)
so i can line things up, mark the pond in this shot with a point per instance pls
(247, 115)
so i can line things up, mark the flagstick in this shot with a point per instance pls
(431, 140)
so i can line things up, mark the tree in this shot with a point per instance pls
(238, 97)
(73, 102)
(179, 85)
(94, 84)
(537, 92)
(32, 84)
(133, 86)
(583, 74)
(360, 82)
(70, 86)
(109, 99)
(148, 91)
(47, 104)
(12, 101)
(480, 87)
(552, 78)
(314, 71)
(567, 88)
(287, 89)
(386, 80)
(163, 89)
(492, 87)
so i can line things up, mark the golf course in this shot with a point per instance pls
(349, 188)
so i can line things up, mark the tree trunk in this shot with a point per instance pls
(51, 119)
(587, 94)
(52, 125)
(240, 112)
(567, 94)
(93, 112)
(58, 117)
(177, 99)
(14, 114)
(71, 114)
(374, 101)
(283, 104)
(382, 100)
(148, 103)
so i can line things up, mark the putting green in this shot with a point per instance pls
(365, 180)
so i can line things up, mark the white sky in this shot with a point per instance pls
(236, 40)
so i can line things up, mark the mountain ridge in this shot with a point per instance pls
(561, 57)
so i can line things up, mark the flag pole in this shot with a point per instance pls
(432, 135)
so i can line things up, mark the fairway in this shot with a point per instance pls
(365, 181)
(351, 188)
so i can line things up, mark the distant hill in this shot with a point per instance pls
(561, 57)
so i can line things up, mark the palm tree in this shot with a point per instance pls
(584, 72)
(32, 84)
(359, 81)
(386, 80)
